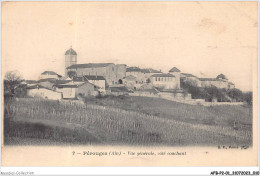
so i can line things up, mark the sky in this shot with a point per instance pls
(201, 38)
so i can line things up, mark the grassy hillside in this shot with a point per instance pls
(224, 115)
(126, 121)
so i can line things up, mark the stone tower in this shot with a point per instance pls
(177, 73)
(70, 59)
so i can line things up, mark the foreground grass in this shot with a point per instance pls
(121, 121)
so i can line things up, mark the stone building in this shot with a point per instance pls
(141, 74)
(111, 72)
(38, 91)
(70, 59)
(177, 73)
(220, 81)
(164, 81)
(98, 81)
(130, 81)
(72, 90)
(49, 75)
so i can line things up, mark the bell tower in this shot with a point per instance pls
(70, 59)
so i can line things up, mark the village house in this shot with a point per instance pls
(118, 90)
(98, 81)
(48, 82)
(130, 82)
(72, 90)
(38, 91)
(220, 82)
(164, 81)
(142, 75)
(50, 75)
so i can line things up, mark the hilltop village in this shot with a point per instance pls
(93, 79)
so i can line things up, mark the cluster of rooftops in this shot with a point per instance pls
(157, 73)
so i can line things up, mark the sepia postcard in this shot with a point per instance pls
(129, 83)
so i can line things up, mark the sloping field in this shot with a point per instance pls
(45, 122)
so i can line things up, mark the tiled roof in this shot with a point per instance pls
(39, 86)
(174, 69)
(52, 80)
(49, 73)
(131, 77)
(208, 79)
(163, 75)
(145, 70)
(119, 89)
(88, 77)
(94, 77)
(211, 79)
(70, 52)
(70, 85)
(90, 65)
(188, 75)
(133, 69)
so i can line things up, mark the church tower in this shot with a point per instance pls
(70, 59)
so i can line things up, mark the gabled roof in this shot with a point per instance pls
(39, 87)
(52, 80)
(90, 65)
(207, 79)
(174, 69)
(63, 81)
(70, 52)
(163, 75)
(188, 75)
(88, 77)
(70, 85)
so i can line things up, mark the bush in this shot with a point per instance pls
(215, 94)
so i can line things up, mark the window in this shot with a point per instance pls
(155, 78)
(159, 79)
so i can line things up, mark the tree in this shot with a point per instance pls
(235, 94)
(72, 74)
(148, 81)
(248, 97)
(12, 81)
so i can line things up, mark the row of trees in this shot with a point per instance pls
(215, 94)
